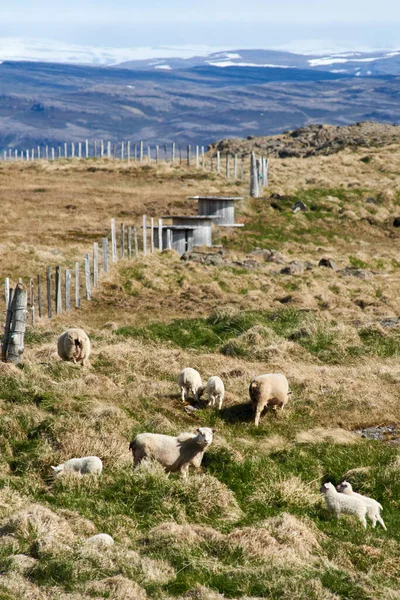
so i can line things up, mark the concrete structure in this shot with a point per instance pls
(202, 234)
(175, 237)
(218, 207)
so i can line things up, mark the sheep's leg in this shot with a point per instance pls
(210, 402)
(185, 471)
(258, 415)
(380, 520)
(183, 393)
(220, 403)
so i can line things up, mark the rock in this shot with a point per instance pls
(396, 222)
(329, 263)
(204, 258)
(189, 409)
(275, 257)
(360, 273)
(299, 206)
(371, 200)
(389, 322)
(295, 267)
(100, 539)
(384, 433)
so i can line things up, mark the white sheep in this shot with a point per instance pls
(215, 391)
(74, 345)
(373, 507)
(85, 466)
(173, 453)
(189, 380)
(271, 389)
(342, 503)
(100, 539)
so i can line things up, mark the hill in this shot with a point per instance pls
(49, 104)
(252, 524)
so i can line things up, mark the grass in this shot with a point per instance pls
(252, 524)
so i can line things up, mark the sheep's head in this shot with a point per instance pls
(58, 470)
(327, 487)
(254, 392)
(205, 436)
(345, 487)
(200, 391)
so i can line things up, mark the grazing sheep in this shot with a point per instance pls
(373, 507)
(189, 380)
(173, 453)
(74, 345)
(215, 391)
(342, 503)
(268, 390)
(85, 466)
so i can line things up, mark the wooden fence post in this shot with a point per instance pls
(105, 254)
(19, 311)
(169, 239)
(128, 151)
(32, 301)
(218, 162)
(79, 149)
(203, 159)
(188, 155)
(47, 152)
(67, 290)
(122, 241)
(242, 170)
(173, 153)
(141, 153)
(129, 242)
(160, 242)
(144, 234)
(95, 264)
(152, 234)
(87, 278)
(228, 174)
(101, 148)
(135, 242)
(87, 148)
(94, 149)
(49, 307)
(134, 152)
(254, 189)
(77, 287)
(148, 155)
(157, 155)
(197, 157)
(58, 292)
(122, 150)
(7, 290)
(65, 150)
(108, 149)
(72, 150)
(6, 336)
(115, 151)
(39, 295)
(113, 242)
(235, 166)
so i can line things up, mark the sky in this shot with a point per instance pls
(227, 23)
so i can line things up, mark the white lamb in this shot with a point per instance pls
(373, 507)
(189, 380)
(74, 345)
(100, 539)
(173, 453)
(342, 503)
(85, 466)
(215, 391)
(271, 389)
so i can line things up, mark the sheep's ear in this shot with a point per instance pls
(213, 430)
(54, 468)
(198, 429)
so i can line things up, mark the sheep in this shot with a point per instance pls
(85, 466)
(373, 507)
(268, 390)
(74, 345)
(100, 539)
(215, 391)
(173, 453)
(343, 503)
(189, 380)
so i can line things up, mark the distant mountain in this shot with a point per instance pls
(48, 104)
(348, 63)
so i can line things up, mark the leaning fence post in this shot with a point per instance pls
(113, 242)
(95, 264)
(105, 254)
(6, 336)
(144, 234)
(39, 294)
(48, 279)
(19, 311)
(87, 277)
(129, 242)
(135, 242)
(67, 290)
(77, 287)
(122, 241)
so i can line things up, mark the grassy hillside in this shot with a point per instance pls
(252, 524)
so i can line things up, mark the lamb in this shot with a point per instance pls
(74, 345)
(189, 380)
(373, 507)
(173, 453)
(215, 391)
(343, 503)
(268, 390)
(85, 466)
